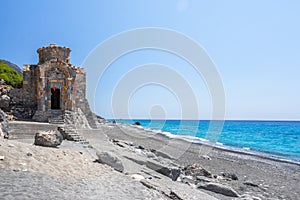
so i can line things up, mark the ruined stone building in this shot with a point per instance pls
(54, 85)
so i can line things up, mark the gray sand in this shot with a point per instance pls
(276, 180)
(70, 171)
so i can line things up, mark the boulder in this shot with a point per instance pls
(4, 124)
(137, 123)
(51, 138)
(169, 170)
(4, 102)
(219, 188)
(231, 176)
(195, 170)
(110, 159)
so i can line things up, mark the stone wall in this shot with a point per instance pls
(54, 52)
(54, 72)
(30, 85)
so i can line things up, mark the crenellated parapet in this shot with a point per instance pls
(54, 52)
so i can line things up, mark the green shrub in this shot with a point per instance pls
(10, 76)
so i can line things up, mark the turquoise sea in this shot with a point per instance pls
(276, 139)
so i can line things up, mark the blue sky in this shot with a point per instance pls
(254, 44)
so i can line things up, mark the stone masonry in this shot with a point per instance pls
(54, 85)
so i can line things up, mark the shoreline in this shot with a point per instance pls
(230, 148)
(146, 157)
(271, 178)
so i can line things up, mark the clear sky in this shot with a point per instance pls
(255, 45)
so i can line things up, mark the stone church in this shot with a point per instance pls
(54, 85)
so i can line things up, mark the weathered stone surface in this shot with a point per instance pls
(48, 138)
(4, 102)
(175, 190)
(16, 96)
(218, 188)
(195, 170)
(110, 159)
(203, 179)
(3, 124)
(231, 176)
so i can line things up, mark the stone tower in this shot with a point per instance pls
(53, 85)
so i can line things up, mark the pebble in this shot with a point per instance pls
(1, 157)
(206, 157)
(137, 177)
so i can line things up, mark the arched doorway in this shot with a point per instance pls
(55, 98)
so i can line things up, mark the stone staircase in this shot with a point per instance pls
(56, 117)
(69, 132)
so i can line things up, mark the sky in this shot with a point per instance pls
(254, 45)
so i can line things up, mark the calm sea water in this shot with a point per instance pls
(277, 139)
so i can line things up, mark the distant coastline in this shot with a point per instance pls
(223, 144)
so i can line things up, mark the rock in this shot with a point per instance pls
(63, 132)
(219, 188)
(29, 154)
(195, 170)
(1, 157)
(110, 159)
(170, 172)
(4, 124)
(231, 176)
(206, 157)
(250, 184)
(4, 102)
(1, 132)
(249, 197)
(137, 177)
(137, 123)
(203, 179)
(141, 147)
(51, 138)
(186, 180)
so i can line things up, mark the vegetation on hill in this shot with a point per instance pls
(12, 65)
(10, 76)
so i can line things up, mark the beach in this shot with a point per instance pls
(72, 171)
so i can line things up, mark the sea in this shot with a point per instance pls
(274, 139)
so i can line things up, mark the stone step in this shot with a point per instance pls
(17, 129)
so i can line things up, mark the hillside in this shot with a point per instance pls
(12, 65)
(10, 75)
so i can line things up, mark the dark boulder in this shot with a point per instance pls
(195, 170)
(231, 176)
(137, 123)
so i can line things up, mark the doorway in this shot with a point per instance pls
(55, 98)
